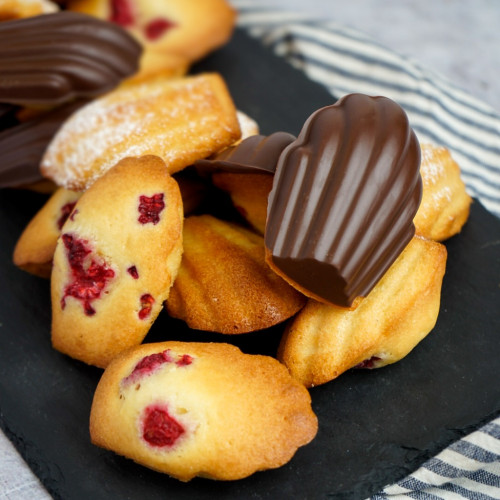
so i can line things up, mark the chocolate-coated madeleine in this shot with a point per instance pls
(50, 59)
(343, 199)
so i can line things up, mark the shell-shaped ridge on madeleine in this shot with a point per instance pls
(344, 197)
(224, 284)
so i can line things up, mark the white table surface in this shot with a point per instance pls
(458, 38)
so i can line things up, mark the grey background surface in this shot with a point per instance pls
(458, 38)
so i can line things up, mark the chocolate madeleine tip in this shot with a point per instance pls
(255, 154)
(23, 145)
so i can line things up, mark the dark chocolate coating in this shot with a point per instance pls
(23, 145)
(344, 197)
(255, 154)
(7, 116)
(53, 58)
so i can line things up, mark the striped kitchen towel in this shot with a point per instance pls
(469, 468)
(345, 61)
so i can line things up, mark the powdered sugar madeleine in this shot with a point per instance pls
(180, 120)
(115, 261)
(248, 125)
(224, 284)
(201, 409)
(35, 247)
(445, 204)
(323, 341)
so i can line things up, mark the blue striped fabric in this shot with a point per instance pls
(345, 61)
(469, 468)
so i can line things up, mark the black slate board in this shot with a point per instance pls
(375, 427)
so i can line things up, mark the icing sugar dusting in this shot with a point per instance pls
(248, 125)
(444, 194)
(178, 121)
(432, 168)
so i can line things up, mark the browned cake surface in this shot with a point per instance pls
(323, 341)
(36, 245)
(17, 9)
(224, 285)
(115, 261)
(201, 409)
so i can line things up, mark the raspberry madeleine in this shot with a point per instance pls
(224, 284)
(323, 341)
(115, 261)
(173, 33)
(201, 409)
(35, 248)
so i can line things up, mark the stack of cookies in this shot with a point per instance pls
(335, 235)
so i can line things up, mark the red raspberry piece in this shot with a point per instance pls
(88, 282)
(147, 365)
(368, 363)
(184, 360)
(122, 13)
(147, 302)
(150, 208)
(157, 27)
(151, 363)
(159, 428)
(132, 270)
(65, 212)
